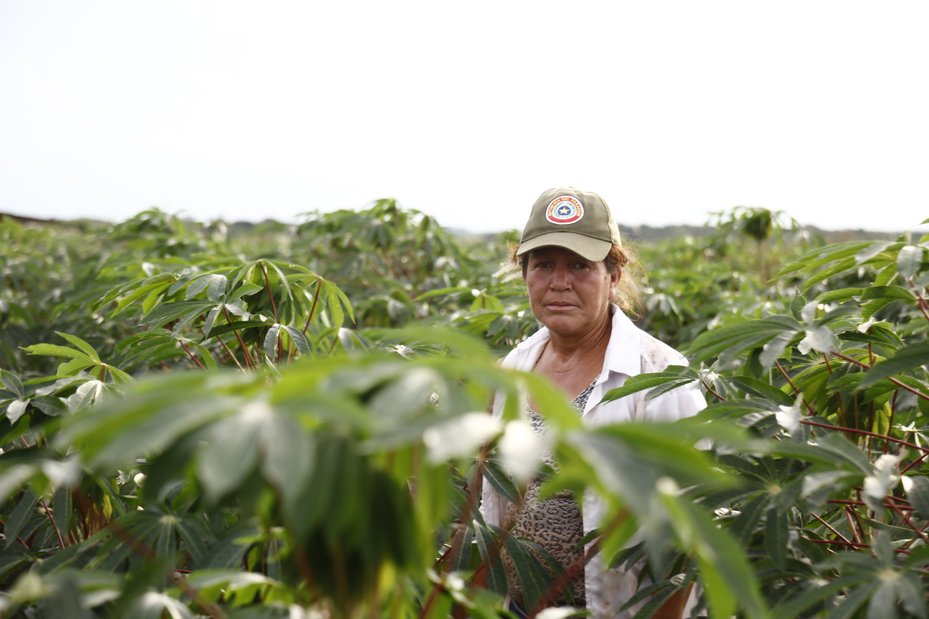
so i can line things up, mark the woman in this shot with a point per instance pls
(572, 262)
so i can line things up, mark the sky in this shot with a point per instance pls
(467, 111)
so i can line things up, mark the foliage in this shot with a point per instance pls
(199, 421)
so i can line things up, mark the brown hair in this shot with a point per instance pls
(621, 259)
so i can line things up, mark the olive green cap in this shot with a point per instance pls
(577, 220)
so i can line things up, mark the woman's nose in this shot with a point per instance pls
(561, 278)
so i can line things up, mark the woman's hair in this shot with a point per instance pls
(619, 259)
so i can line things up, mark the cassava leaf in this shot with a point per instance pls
(907, 358)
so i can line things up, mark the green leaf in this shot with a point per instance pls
(873, 249)
(53, 350)
(532, 576)
(288, 456)
(670, 376)
(232, 452)
(909, 260)
(154, 605)
(837, 444)
(299, 340)
(441, 292)
(911, 591)
(724, 568)
(755, 387)
(133, 291)
(774, 349)
(777, 535)
(235, 326)
(17, 519)
(210, 320)
(151, 417)
(814, 596)
(500, 481)
(152, 300)
(740, 336)
(213, 283)
(910, 356)
(745, 524)
(490, 551)
(270, 342)
(12, 477)
(917, 490)
(12, 383)
(883, 602)
(888, 292)
(80, 344)
(85, 395)
(169, 312)
(15, 410)
(74, 367)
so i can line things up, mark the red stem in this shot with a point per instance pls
(817, 424)
(51, 519)
(248, 357)
(264, 272)
(903, 386)
(319, 286)
(783, 372)
(711, 392)
(192, 356)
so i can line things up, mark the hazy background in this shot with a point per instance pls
(467, 111)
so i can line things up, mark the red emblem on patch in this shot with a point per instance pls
(564, 210)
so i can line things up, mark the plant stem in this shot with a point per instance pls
(831, 528)
(923, 450)
(231, 354)
(192, 356)
(264, 272)
(903, 386)
(248, 357)
(923, 305)
(853, 523)
(906, 517)
(711, 392)
(51, 519)
(799, 393)
(140, 548)
(915, 462)
(319, 286)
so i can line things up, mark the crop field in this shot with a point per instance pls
(290, 421)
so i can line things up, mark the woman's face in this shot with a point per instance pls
(568, 294)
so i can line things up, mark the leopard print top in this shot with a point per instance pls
(555, 524)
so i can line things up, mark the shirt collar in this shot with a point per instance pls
(622, 354)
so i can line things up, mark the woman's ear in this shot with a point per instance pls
(615, 276)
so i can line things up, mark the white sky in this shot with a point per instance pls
(466, 110)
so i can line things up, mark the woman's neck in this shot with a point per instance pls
(573, 363)
(590, 345)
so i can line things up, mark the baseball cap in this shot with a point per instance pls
(577, 220)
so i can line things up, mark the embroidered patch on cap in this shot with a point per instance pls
(564, 210)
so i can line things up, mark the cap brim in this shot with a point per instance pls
(594, 250)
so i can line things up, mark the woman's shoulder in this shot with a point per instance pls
(524, 355)
(655, 354)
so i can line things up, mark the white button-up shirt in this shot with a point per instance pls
(630, 351)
